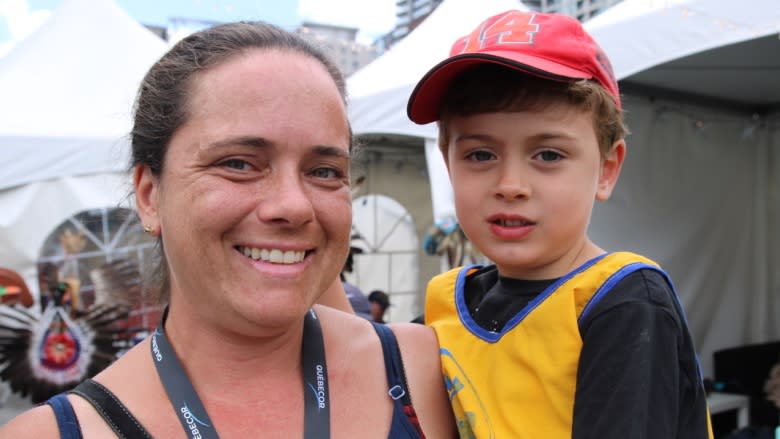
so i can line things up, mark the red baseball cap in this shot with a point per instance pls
(551, 46)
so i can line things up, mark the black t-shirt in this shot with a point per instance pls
(638, 375)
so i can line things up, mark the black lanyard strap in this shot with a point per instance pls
(193, 416)
(316, 419)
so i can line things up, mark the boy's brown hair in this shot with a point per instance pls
(519, 61)
(488, 88)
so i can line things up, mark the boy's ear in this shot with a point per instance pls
(145, 186)
(610, 170)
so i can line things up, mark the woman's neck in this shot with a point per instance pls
(216, 356)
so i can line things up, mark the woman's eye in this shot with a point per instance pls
(236, 164)
(479, 156)
(327, 173)
(549, 156)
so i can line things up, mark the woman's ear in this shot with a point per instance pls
(145, 185)
(610, 170)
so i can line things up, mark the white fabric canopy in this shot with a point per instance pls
(67, 93)
(378, 92)
(699, 192)
(636, 34)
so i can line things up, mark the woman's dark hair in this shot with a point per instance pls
(161, 106)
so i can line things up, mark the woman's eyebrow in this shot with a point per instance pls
(331, 151)
(254, 141)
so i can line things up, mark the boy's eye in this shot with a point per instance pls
(479, 156)
(549, 156)
(236, 164)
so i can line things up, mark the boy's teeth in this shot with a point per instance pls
(513, 223)
(275, 255)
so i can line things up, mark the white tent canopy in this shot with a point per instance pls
(640, 36)
(379, 90)
(68, 90)
(67, 93)
(636, 34)
(699, 190)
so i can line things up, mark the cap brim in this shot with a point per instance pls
(425, 101)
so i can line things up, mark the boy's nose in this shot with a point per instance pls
(512, 186)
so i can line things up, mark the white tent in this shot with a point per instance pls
(379, 90)
(699, 192)
(67, 93)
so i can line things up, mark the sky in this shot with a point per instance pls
(18, 18)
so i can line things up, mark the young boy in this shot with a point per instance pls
(559, 338)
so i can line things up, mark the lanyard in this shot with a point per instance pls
(190, 410)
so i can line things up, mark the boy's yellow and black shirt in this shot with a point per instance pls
(603, 351)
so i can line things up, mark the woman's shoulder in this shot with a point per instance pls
(420, 352)
(34, 423)
(332, 317)
(416, 336)
(418, 340)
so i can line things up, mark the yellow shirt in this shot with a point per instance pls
(520, 382)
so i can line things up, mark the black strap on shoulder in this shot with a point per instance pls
(316, 417)
(394, 366)
(67, 422)
(116, 415)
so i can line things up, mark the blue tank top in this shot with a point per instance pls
(404, 424)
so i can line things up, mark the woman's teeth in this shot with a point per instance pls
(274, 256)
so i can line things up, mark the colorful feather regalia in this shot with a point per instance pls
(446, 238)
(43, 353)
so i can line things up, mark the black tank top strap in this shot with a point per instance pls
(116, 415)
(396, 380)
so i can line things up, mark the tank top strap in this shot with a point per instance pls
(67, 422)
(116, 415)
(405, 422)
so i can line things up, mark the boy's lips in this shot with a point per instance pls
(510, 220)
(510, 226)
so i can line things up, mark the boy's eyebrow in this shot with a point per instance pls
(553, 135)
(547, 135)
(473, 137)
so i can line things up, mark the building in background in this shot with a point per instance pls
(340, 44)
(408, 14)
(582, 10)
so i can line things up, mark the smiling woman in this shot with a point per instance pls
(241, 155)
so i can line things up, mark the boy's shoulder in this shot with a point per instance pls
(641, 286)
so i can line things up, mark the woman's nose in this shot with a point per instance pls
(287, 200)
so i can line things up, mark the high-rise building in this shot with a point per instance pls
(408, 14)
(340, 44)
(582, 10)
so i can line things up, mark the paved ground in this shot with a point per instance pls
(12, 406)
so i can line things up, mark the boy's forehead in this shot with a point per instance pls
(487, 89)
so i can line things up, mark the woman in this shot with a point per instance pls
(241, 153)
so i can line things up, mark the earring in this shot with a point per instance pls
(148, 230)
